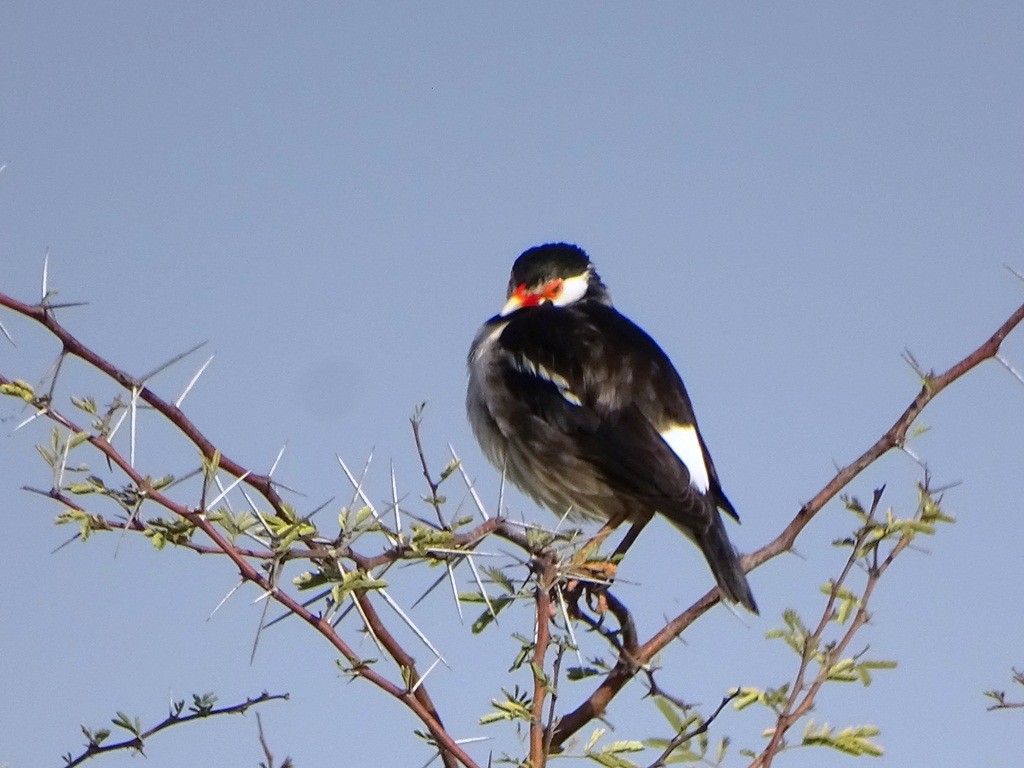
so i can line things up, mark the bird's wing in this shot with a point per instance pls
(662, 397)
(598, 382)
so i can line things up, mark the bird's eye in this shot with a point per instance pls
(553, 289)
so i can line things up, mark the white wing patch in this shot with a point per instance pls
(526, 365)
(684, 443)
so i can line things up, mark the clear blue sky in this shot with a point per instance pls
(332, 195)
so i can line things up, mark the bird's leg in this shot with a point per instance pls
(605, 570)
(629, 538)
(584, 552)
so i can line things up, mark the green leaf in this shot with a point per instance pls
(879, 664)
(20, 389)
(132, 725)
(618, 747)
(723, 748)
(203, 705)
(355, 581)
(845, 608)
(582, 673)
(746, 697)
(450, 467)
(611, 760)
(485, 618)
(855, 741)
(86, 404)
(515, 706)
(668, 711)
(844, 671)
(498, 577)
(594, 737)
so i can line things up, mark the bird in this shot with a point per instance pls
(585, 413)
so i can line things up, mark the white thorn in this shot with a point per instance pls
(455, 590)
(46, 270)
(228, 490)
(134, 408)
(192, 383)
(501, 486)
(117, 426)
(411, 624)
(423, 677)
(1014, 271)
(64, 460)
(1008, 366)
(568, 624)
(5, 333)
(472, 489)
(33, 417)
(225, 598)
(358, 486)
(277, 460)
(259, 516)
(394, 501)
(220, 487)
(483, 590)
(366, 623)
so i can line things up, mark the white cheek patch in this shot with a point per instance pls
(526, 365)
(573, 289)
(684, 443)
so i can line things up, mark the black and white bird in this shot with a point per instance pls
(586, 414)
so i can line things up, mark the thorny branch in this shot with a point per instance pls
(138, 741)
(539, 742)
(1001, 702)
(596, 704)
(801, 696)
(410, 691)
(633, 655)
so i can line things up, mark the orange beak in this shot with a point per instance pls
(522, 297)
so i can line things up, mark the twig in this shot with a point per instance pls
(549, 730)
(682, 738)
(801, 699)
(175, 717)
(435, 499)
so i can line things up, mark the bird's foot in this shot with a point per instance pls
(591, 580)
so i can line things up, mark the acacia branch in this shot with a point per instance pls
(44, 315)
(539, 735)
(801, 700)
(413, 695)
(138, 741)
(596, 704)
(633, 656)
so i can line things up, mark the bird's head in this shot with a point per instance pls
(558, 274)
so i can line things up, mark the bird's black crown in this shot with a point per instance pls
(546, 262)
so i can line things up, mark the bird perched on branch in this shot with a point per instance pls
(586, 414)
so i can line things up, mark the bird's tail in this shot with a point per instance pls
(725, 565)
